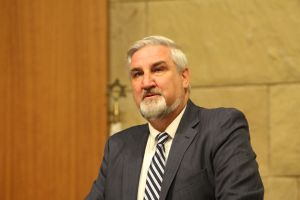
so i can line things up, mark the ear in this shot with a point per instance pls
(185, 77)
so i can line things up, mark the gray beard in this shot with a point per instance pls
(157, 108)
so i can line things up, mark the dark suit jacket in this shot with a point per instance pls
(210, 158)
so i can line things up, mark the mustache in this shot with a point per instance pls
(150, 92)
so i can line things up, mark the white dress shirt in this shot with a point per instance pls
(150, 151)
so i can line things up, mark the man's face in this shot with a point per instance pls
(158, 87)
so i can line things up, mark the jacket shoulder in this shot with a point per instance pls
(129, 131)
(128, 134)
(220, 114)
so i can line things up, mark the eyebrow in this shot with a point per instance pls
(152, 65)
(158, 63)
(135, 69)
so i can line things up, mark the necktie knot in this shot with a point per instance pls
(162, 138)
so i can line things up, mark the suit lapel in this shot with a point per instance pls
(183, 138)
(133, 162)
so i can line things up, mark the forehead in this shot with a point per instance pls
(151, 54)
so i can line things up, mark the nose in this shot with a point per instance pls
(148, 81)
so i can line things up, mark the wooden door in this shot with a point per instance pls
(53, 105)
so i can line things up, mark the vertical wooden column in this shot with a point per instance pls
(53, 105)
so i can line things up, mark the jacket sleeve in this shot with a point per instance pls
(235, 167)
(97, 190)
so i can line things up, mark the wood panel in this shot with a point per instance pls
(53, 76)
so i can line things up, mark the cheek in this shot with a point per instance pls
(173, 90)
(134, 86)
(136, 91)
(169, 91)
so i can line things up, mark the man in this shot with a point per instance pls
(185, 152)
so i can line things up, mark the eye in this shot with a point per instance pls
(136, 74)
(159, 68)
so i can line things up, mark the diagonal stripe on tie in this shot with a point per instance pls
(156, 169)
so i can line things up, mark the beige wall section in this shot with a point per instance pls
(127, 23)
(281, 188)
(243, 54)
(222, 36)
(285, 130)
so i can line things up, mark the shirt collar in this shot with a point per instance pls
(171, 129)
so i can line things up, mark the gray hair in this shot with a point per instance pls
(177, 54)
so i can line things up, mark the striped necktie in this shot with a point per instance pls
(156, 169)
